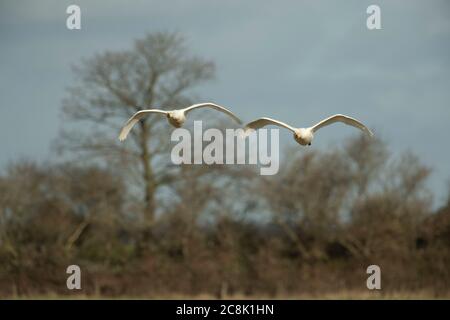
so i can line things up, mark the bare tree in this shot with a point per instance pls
(308, 195)
(366, 157)
(158, 72)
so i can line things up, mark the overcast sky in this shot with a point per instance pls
(297, 61)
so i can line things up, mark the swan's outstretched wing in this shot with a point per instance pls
(213, 106)
(261, 122)
(344, 119)
(135, 119)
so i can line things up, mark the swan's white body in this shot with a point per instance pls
(304, 136)
(175, 117)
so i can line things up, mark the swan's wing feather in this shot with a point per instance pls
(262, 122)
(344, 119)
(213, 106)
(135, 119)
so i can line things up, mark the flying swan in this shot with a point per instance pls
(175, 117)
(304, 136)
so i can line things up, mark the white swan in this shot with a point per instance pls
(175, 117)
(304, 136)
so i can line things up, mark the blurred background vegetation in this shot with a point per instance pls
(139, 226)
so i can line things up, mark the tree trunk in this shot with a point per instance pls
(148, 176)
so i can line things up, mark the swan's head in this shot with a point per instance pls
(176, 118)
(303, 136)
